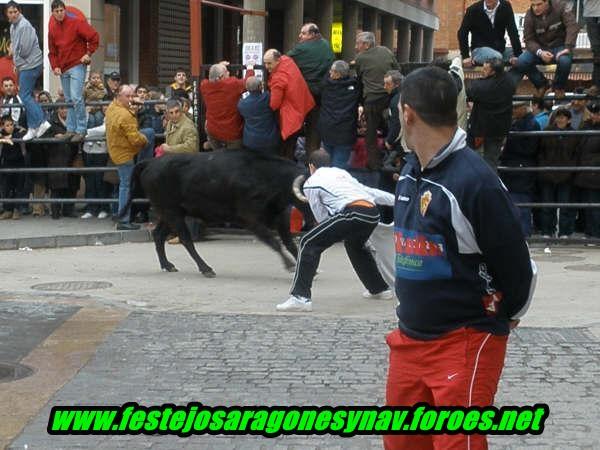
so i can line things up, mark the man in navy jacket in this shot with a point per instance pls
(463, 271)
(261, 131)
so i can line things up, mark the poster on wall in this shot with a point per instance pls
(252, 53)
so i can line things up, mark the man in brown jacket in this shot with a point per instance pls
(124, 141)
(550, 34)
(181, 135)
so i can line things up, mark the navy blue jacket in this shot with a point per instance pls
(338, 116)
(461, 258)
(260, 123)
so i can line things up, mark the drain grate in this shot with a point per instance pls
(584, 268)
(72, 286)
(12, 372)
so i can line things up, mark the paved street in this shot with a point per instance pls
(154, 337)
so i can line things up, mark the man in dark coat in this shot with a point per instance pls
(337, 121)
(261, 131)
(492, 109)
(313, 56)
(521, 151)
(589, 182)
(488, 21)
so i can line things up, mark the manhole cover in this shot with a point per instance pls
(72, 286)
(12, 372)
(558, 258)
(585, 268)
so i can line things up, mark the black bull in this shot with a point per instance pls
(245, 187)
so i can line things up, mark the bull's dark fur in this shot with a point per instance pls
(240, 186)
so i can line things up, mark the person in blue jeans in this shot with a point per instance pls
(338, 119)
(28, 61)
(71, 43)
(550, 35)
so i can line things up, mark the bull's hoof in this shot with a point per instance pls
(170, 268)
(209, 273)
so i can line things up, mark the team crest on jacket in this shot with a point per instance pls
(425, 201)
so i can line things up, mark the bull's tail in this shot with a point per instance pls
(134, 183)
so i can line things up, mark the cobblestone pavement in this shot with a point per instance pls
(154, 358)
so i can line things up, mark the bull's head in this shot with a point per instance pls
(297, 188)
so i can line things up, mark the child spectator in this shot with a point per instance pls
(541, 110)
(180, 87)
(11, 156)
(556, 187)
(94, 91)
(10, 96)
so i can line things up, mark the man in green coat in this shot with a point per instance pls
(313, 56)
(181, 135)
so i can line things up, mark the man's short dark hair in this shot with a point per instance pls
(57, 4)
(7, 118)
(562, 112)
(180, 70)
(496, 64)
(432, 93)
(320, 158)
(7, 79)
(13, 4)
(540, 103)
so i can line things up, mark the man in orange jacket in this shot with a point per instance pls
(289, 95)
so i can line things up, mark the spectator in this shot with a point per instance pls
(550, 34)
(45, 97)
(221, 94)
(180, 87)
(591, 14)
(556, 187)
(579, 112)
(71, 43)
(61, 154)
(338, 118)
(458, 75)
(313, 56)
(521, 151)
(588, 183)
(38, 158)
(158, 112)
(541, 110)
(11, 156)
(10, 96)
(28, 60)
(94, 92)
(113, 82)
(181, 135)
(124, 141)
(488, 21)
(392, 83)
(371, 64)
(261, 131)
(290, 96)
(492, 109)
(95, 155)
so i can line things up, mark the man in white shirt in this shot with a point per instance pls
(345, 211)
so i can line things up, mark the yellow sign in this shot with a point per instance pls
(336, 37)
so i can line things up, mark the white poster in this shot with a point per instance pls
(252, 53)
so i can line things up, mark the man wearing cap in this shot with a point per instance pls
(112, 83)
(71, 43)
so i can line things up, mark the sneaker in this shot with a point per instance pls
(383, 295)
(41, 130)
(77, 138)
(124, 226)
(31, 133)
(102, 215)
(16, 215)
(174, 241)
(87, 215)
(295, 303)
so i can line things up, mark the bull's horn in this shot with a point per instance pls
(297, 188)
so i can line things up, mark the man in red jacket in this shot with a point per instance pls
(289, 95)
(221, 94)
(71, 43)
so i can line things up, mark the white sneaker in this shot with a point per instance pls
(102, 215)
(295, 303)
(31, 133)
(87, 215)
(45, 126)
(383, 295)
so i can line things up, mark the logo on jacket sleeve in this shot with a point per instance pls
(425, 201)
